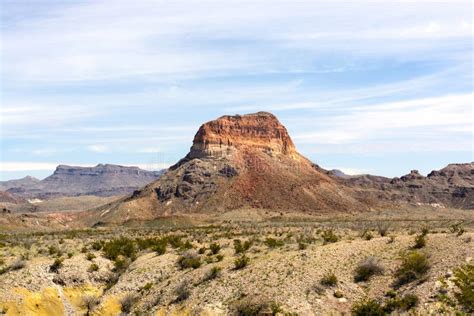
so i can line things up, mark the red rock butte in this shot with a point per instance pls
(260, 130)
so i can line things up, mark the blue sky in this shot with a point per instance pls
(364, 86)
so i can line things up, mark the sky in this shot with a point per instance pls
(380, 87)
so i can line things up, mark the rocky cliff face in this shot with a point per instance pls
(101, 180)
(237, 162)
(224, 136)
(452, 186)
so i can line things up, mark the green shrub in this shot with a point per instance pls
(464, 280)
(97, 245)
(93, 267)
(57, 264)
(241, 262)
(160, 248)
(189, 260)
(368, 235)
(53, 250)
(121, 264)
(273, 243)
(420, 241)
(256, 306)
(329, 279)
(367, 307)
(414, 266)
(90, 256)
(240, 247)
(120, 247)
(219, 258)
(366, 269)
(405, 303)
(215, 248)
(212, 274)
(329, 236)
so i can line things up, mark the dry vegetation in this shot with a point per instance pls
(285, 267)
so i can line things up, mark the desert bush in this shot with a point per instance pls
(256, 306)
(414, 266)
(382, 229)
(368, 235)
(160, 248)
(18, 264)
(57, 264)
(329, 279)
(120, 247)
(90, 256)
(189, 260)
(420, 241)
(111, 280)
(241, 262)
(97, 245)
(367, 307)
(240, 247)
(182, 292)
(273, 243)
(367, 268)
(127, 302)
(219, 258)
(201, 250)
(89, 303)
(212, 274)
(215, 248)
(464, 280)
(121, 264)
(405, 303)
(93, 267)
(52, 250)
(302, 245)
(329, 236)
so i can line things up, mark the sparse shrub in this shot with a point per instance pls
(202, 250)
(368, 235)
(84, 249)
(70, 255)
(182, 292)
(189, 260)
(241, 262)
(414, 266)
(256, 306)
(367, 307)
(90, 256)
(215, 248)
(420, 241)
(329, 236)
(90, 302)
(382, 229)
(219, 258)
(93, 267)
(302, 245)
(57, 264)
(97, 245)
(111, 280)
(160, 248)
(127, 302)
(329, 279)
(464, 280)
(52, 250)
(404, 304)
(212, 274)
(240, 247)
(120, 247)
(17, 264)
(273, 243)
(121, 264)
(147, 287)
(367, 268)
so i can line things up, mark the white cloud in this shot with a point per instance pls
(98, 148)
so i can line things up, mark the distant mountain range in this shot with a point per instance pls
(101, 180)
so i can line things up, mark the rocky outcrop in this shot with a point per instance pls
(452, 186)
(224, 136)
(237, 162)
(101, 180)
